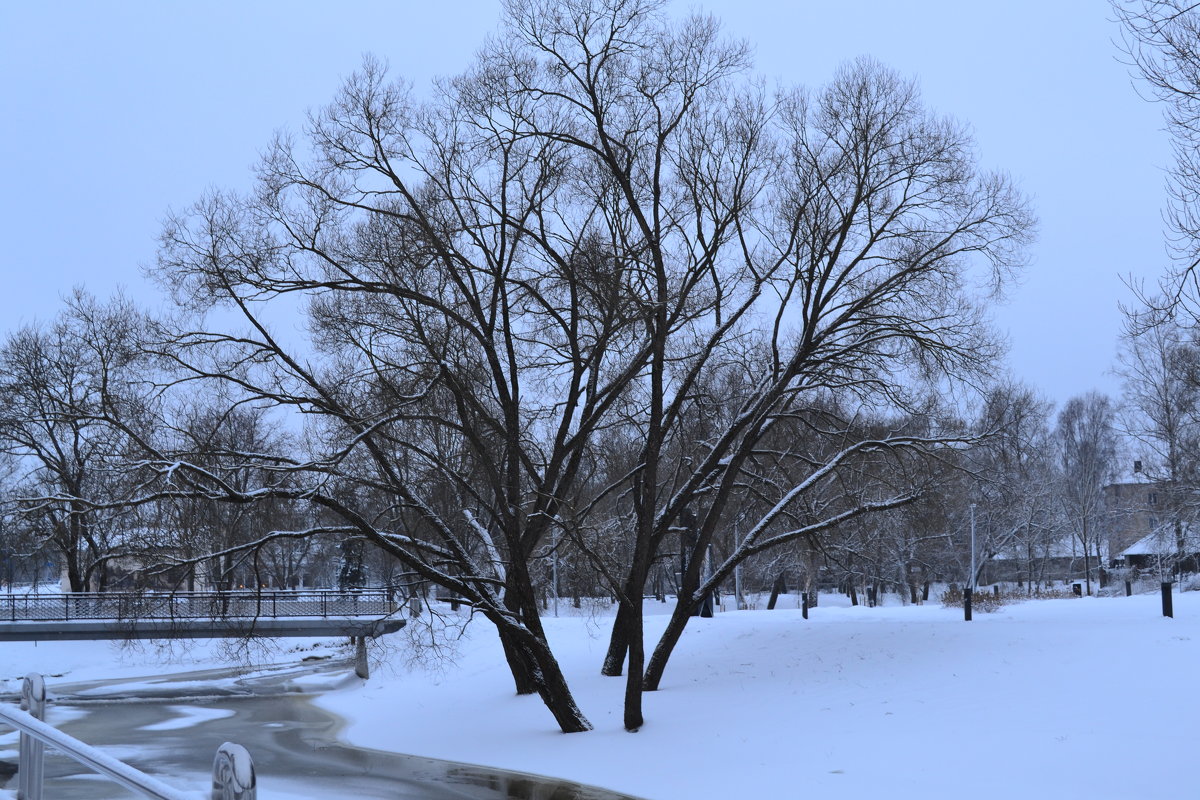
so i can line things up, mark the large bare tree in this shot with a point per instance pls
(603, 236)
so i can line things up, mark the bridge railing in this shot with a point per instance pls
(199, 605)
(233, 775)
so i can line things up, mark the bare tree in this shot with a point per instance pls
(876, 219)
(486, 288)
(1161, 38)
(59, 384)
(1014, 479)
(1087, 447)
(601, 234)
(1160, 367)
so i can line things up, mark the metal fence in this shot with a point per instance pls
(200, 605)
(233, 776)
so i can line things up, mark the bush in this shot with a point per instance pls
(988, 600)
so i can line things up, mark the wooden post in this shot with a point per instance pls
(1128, 589)
(967, 603)
(1168, 611)
(804, 604)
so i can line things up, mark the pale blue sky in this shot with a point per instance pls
(113, 112)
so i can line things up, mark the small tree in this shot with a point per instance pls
(1088, 451)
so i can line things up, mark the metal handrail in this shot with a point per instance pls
(264, 603)
(233, 771)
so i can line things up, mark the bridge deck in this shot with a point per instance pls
(61, 630)
(188, 615)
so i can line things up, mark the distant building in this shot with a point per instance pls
(1159, 550)
(1136, 509)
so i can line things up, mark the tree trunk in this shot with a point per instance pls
(618, 642)
(634, 680)
(777, 588)
(518, 664)
(550, 682)
(666, 644)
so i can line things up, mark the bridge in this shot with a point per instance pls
(358, 613)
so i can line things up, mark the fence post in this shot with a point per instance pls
(233, 774)
(31, 759)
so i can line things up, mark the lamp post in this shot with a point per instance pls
(972, 547)
(969, 589)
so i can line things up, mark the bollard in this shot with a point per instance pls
(31, 758)
(1166, 600)
(967, 603)
(804, 604)
(233, 774)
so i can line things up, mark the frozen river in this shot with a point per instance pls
(171, 728)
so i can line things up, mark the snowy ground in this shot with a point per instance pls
(1068, 698)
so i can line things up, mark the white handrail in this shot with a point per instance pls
(233, 772)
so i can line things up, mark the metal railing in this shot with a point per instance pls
(233, 775)
(199, 605)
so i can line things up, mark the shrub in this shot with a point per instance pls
(988, 600)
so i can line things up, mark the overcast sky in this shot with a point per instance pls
(111, 113)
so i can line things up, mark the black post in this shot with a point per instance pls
(1128, 589)
(804, 604)
(967, 604)
(1166, 597)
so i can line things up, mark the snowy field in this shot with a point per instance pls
(1059, 698)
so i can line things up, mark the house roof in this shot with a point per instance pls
(1161, 541)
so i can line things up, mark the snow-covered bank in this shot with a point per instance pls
(1067, 698)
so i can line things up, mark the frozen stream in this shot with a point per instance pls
(171, 727)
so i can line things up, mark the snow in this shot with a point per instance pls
(187, 716)
(1071, 698)
(1043, 698)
